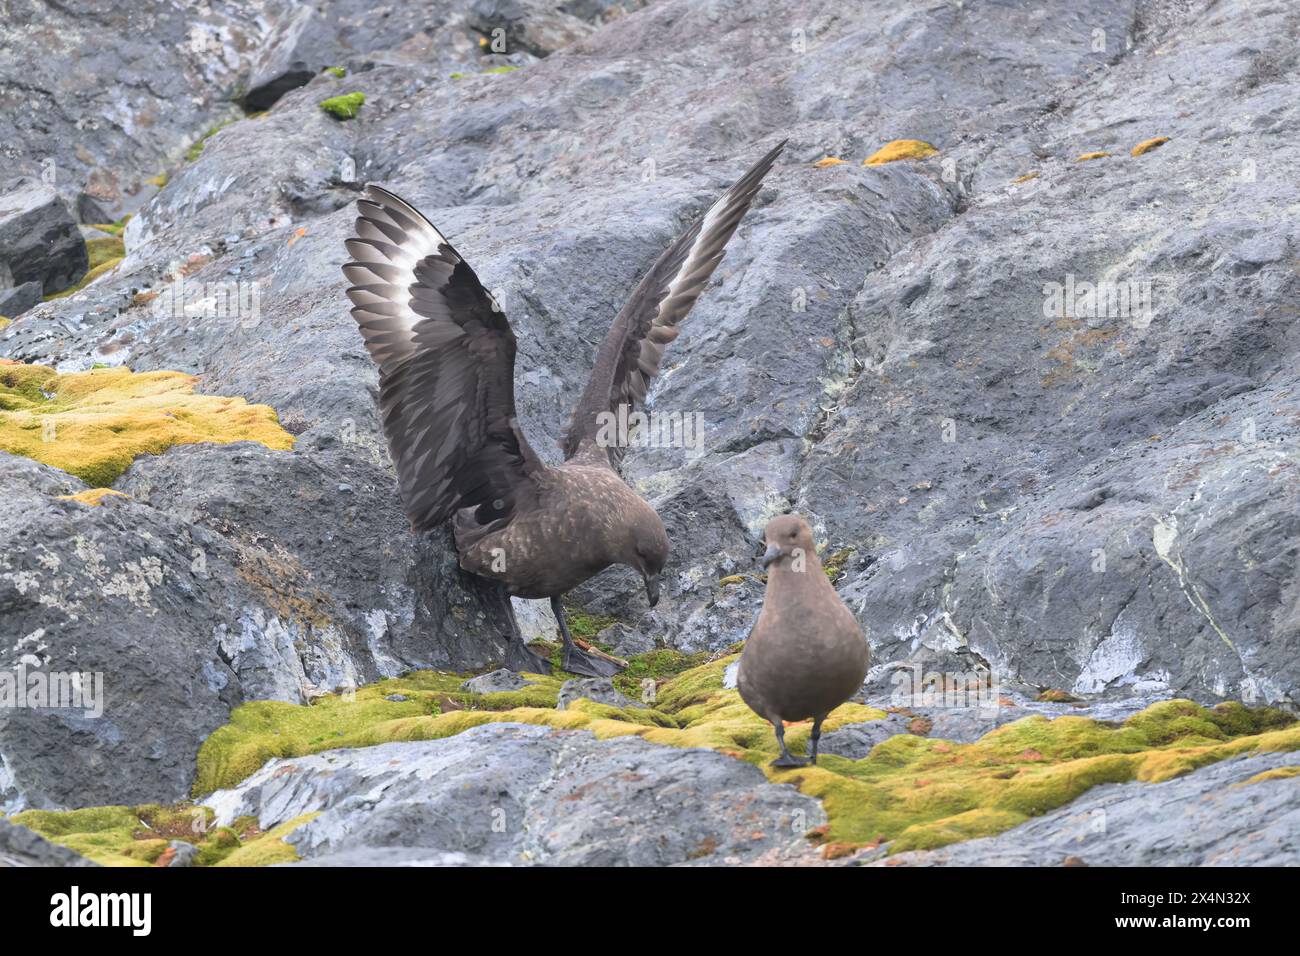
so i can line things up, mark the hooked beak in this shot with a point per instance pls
(652, 588)
(770, 555)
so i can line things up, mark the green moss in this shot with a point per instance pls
(696, 686)
(261, 730)
(336, 71)
(657, 666)
(93, 424)
(123, 836)
(585, 626)
(834, 563)
(494, 71)
(343, 107)
(269, 848)
(915, 792)
(114, 229)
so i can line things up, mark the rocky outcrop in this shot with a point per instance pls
(19, 846)
(1093, 496)
(514, 794)
(185, 612)
(1242, 812)
(40, 245)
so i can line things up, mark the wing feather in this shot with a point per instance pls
(629, 357)
(446, 357)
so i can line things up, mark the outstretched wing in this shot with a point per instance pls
(629, 357)
(446, 358)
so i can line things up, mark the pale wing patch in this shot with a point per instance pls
(391, 239)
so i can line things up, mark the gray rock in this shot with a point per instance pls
(90, 211)
(625, 641)
(184, 853)
(39, 239)
(536, 620)
(1212, 817)
(174, 68)
(281, 63)
(854, 741)
(132, 590)
(600, 690)
(307, 38)
(538, 27)
(19, 846)
(1098, 503)
(494, 681)
(14, 302)
(962, 724)
(521, 794)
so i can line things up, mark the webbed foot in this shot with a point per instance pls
(788, 760)
(589, 663)
(520, 659)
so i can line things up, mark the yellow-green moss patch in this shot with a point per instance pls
(833, 563)
(900, 149)
(131, 836)
(1149, 144)
(583, 625)
(914, 792)
(93, 497)
(827, 161)
(269, 847)
(93, 424)
(343, 107)
(1277, 773)
(1085, 157)
(1025, 178)
(917, 792)
(646, 673)
(494, 71)
(113, 228)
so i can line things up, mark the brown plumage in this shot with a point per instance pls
(446, 357)
(806, 654)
